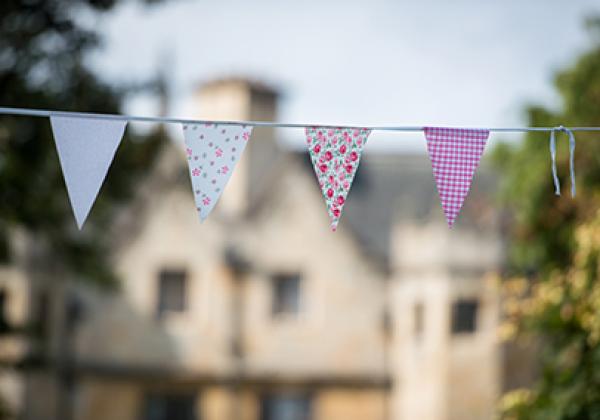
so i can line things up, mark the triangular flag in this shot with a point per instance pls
(335, 154)
(455, 155)
(212, 151)
(86, 147)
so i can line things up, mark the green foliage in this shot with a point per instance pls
(43, 48)
(554, 249)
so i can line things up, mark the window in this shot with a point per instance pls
(169, 407)
(286, 294)
(285, 407)
(464, 316)
(171, 291)
(419, 319)
(4, 325)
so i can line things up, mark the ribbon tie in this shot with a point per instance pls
(571, 158)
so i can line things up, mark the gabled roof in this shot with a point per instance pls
(388, 189)
(393, 188)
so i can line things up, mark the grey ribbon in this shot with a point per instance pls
(571, 158)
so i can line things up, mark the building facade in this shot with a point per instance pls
(262, 313)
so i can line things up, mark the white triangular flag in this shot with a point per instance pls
(86, 147)
(212, 151)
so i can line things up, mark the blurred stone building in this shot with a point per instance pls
(262, 313)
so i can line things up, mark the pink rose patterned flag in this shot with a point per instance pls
(335, 155)
(212, 151)
(455, 155)
(86, 148)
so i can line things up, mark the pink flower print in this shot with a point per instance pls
(206, 201)
(356, 133)
(329, 193)
(359, 142)
(334, 141)
(224, 170)
(323, 168)
(331, 179)
(336, 185)
(219, 152)
(188, 151)
(246, 136)
(330, 133)
(346, 134)
(319, 135)
(349, 140)
(346, 185)
(340, 200)
(317, 148)
(343, 149)
(328, 155)
(196, 172)
(353, 156)
(336, 212)
(349, 168)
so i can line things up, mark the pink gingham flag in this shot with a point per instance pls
(455, 155)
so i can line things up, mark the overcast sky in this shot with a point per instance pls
(372, 62)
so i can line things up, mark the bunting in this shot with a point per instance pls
(335, 155)
(455, 155)
(87, 143)
(212, 152)
(86, 148)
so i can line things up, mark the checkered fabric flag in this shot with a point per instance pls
(455, 155)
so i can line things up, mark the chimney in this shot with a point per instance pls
(241, 99)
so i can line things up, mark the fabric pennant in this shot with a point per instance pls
(335, 154)
(86, 148)
(212, 151)
(454, 155)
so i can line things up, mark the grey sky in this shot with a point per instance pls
(473, 63)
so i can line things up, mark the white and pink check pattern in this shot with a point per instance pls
(455, 155)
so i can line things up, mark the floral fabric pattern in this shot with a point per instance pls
(212, 152)
(335, 155)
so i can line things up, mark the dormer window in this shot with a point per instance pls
(172, 290)
(286, 294)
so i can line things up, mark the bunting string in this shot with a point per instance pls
(171, 120)
(87, 142)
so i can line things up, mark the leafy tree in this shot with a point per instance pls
(553, 290)
(43, 49)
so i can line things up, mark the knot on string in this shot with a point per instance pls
(569, 132)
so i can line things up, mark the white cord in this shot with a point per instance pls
(48, 113)
(569, 132)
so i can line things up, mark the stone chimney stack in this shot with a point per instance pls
(241, 99)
